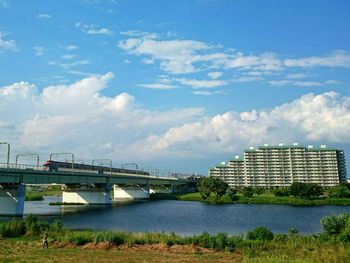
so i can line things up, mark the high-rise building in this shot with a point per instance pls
(270, 166)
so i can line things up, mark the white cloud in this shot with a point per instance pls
(160, 86)
(80, 119)
(335, 59)
(214, 74)
(206, 92)
(321, 118)
(71, 47)
(75, 63)
(296, 76)
(44, 16)
(7, 44)
(39, 51)
(94, 29)
(196, 84)
(279, 82)
(266, 62)
(307, 83)
(68, 56)
(175, 56)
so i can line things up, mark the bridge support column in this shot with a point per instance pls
(87, 194)
(131, 192)
(12, 199)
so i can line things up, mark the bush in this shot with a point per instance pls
(260, 234)
(258, 190)
(247, 192)
(232, 193)
(305, 190)
(335, 224)
(340, 191)
(293, 231)
(281, 192)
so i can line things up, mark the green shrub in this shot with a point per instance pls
(340, 191)
(281, 192)
(293, 231)
(305, 190)
(335, 224)
(260, 233)
(232, 193)
(13, 228)
(247, 192)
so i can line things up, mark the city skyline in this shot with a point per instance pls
(179, 85)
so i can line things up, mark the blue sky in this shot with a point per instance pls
(179, 85)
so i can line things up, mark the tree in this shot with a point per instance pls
(232, 193)
(260, 233)
(219, 187)
(340, 191)
(204, 188)
(248, 191)
(209, 185)
(305, 190)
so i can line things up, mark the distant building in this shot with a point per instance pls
(269, 166)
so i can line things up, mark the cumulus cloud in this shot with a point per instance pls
(311, 118)
(78, 118)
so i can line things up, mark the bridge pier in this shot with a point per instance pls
(12, 199)
(131, 192)
(87, 194)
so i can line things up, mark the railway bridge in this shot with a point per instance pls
(81, 187)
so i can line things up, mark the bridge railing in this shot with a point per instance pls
(20, 166)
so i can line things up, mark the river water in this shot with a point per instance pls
(184, 218)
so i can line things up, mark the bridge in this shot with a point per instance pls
(80, 186)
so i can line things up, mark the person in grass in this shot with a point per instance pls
(45, 241)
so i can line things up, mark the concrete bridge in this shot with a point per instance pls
(87, 187)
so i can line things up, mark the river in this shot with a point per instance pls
(184, 218)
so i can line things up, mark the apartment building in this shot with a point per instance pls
(281, 165)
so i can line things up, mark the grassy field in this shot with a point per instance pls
(24, 250)
(29, 249)
(20, 241)
(258, 199)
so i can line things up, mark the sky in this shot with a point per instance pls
(179, 85)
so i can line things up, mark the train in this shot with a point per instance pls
(55, 166)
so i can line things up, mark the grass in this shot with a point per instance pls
(20, 241)
(265, 198)
(37, 193)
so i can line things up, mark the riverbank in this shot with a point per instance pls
(257, 199)
(37, 193)
(21, 242)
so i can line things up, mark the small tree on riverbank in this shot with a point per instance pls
(209, 185)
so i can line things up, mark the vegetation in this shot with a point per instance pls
(20, 241)
(265, 198)
(305, 190)
(209, 185)
(37, 193)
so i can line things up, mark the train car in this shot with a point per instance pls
(56, 166)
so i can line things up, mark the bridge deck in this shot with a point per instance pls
(35, 176)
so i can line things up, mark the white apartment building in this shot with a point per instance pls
(269, 166)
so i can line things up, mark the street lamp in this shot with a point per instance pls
(8, 152)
